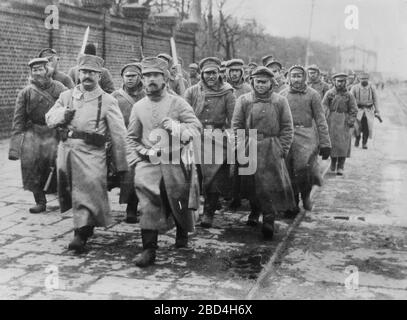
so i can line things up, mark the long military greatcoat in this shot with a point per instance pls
(272, 119)
(82, 170)
(126, 102)
(341, 110)
(310, 131)
(32, 141)
(214, 109)
(162, 187)
(365, 96)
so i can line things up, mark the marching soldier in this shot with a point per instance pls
(194, 74)
(315, 82)
(248, 71)
(88, 115)
(302, 160)
(32, 141)
(213, 102)
(235, 76)
(352, 80)
(106, 79)
(341, 115)
(279, 81)
(163, 188)
(368, 104)
(131, 92)
(270, 115)
(53, 65)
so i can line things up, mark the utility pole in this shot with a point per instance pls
(307, 53)
(210, 31)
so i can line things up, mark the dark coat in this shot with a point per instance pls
(273, 122)
(341, 116)
(32, 141)
(310, 133)
(214, 109)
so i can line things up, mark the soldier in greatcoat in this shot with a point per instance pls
(86, 116)
(32, 141)
(235, 77)
(267, 112)
(368, 105)
(341, 110)
(315, 81)
(309, 141)
(279, 80)
(160, 126)
(131, 92)
(213, 102)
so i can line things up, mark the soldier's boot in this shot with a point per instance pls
(209, 210)
(81, 236)
(306, 199)
(253, 219)
(131, 212)
(357, 141)
(235, 204)
(41, 203)
(341, 166)
(291, 214)
(181, 238)
(268, 226)
(333, 164)
(364, 140)
(147, 257)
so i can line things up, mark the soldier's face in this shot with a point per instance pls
(154, 81)
(235, 74)
(89, 79)
(38, 71)
(211, 77)
(340, 83)
(192, 72)
(131, 80)
(313, 75)
(262, 84)
(276, 70)
(297, 78)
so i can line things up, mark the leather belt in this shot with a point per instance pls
(361, 106)
(76, 135)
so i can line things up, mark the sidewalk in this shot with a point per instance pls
(359, 223)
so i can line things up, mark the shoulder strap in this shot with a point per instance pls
(99, 111)
(43, 93)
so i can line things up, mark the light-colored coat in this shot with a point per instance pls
(82, 170)
(157, 182)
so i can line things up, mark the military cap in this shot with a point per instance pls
(364, 75)
(339, 75)
(37, 61)
(210, 63)
(134, 67)
(314, 67)
(90, 62)
(262, 71)
(253, 64)
(47, 52)
(297, 67)
(193, 66)
(239, 63)
(269, 64)
(154, 64)
(265, 60)
(167, 58)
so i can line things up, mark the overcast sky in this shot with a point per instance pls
(382, 24)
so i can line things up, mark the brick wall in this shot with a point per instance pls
(23, 35)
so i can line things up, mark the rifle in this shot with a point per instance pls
(49, 179)
(84, 41)
(178, 66)
(141, 53)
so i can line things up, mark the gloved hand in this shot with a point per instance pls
(68, 115)
(325, 152)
